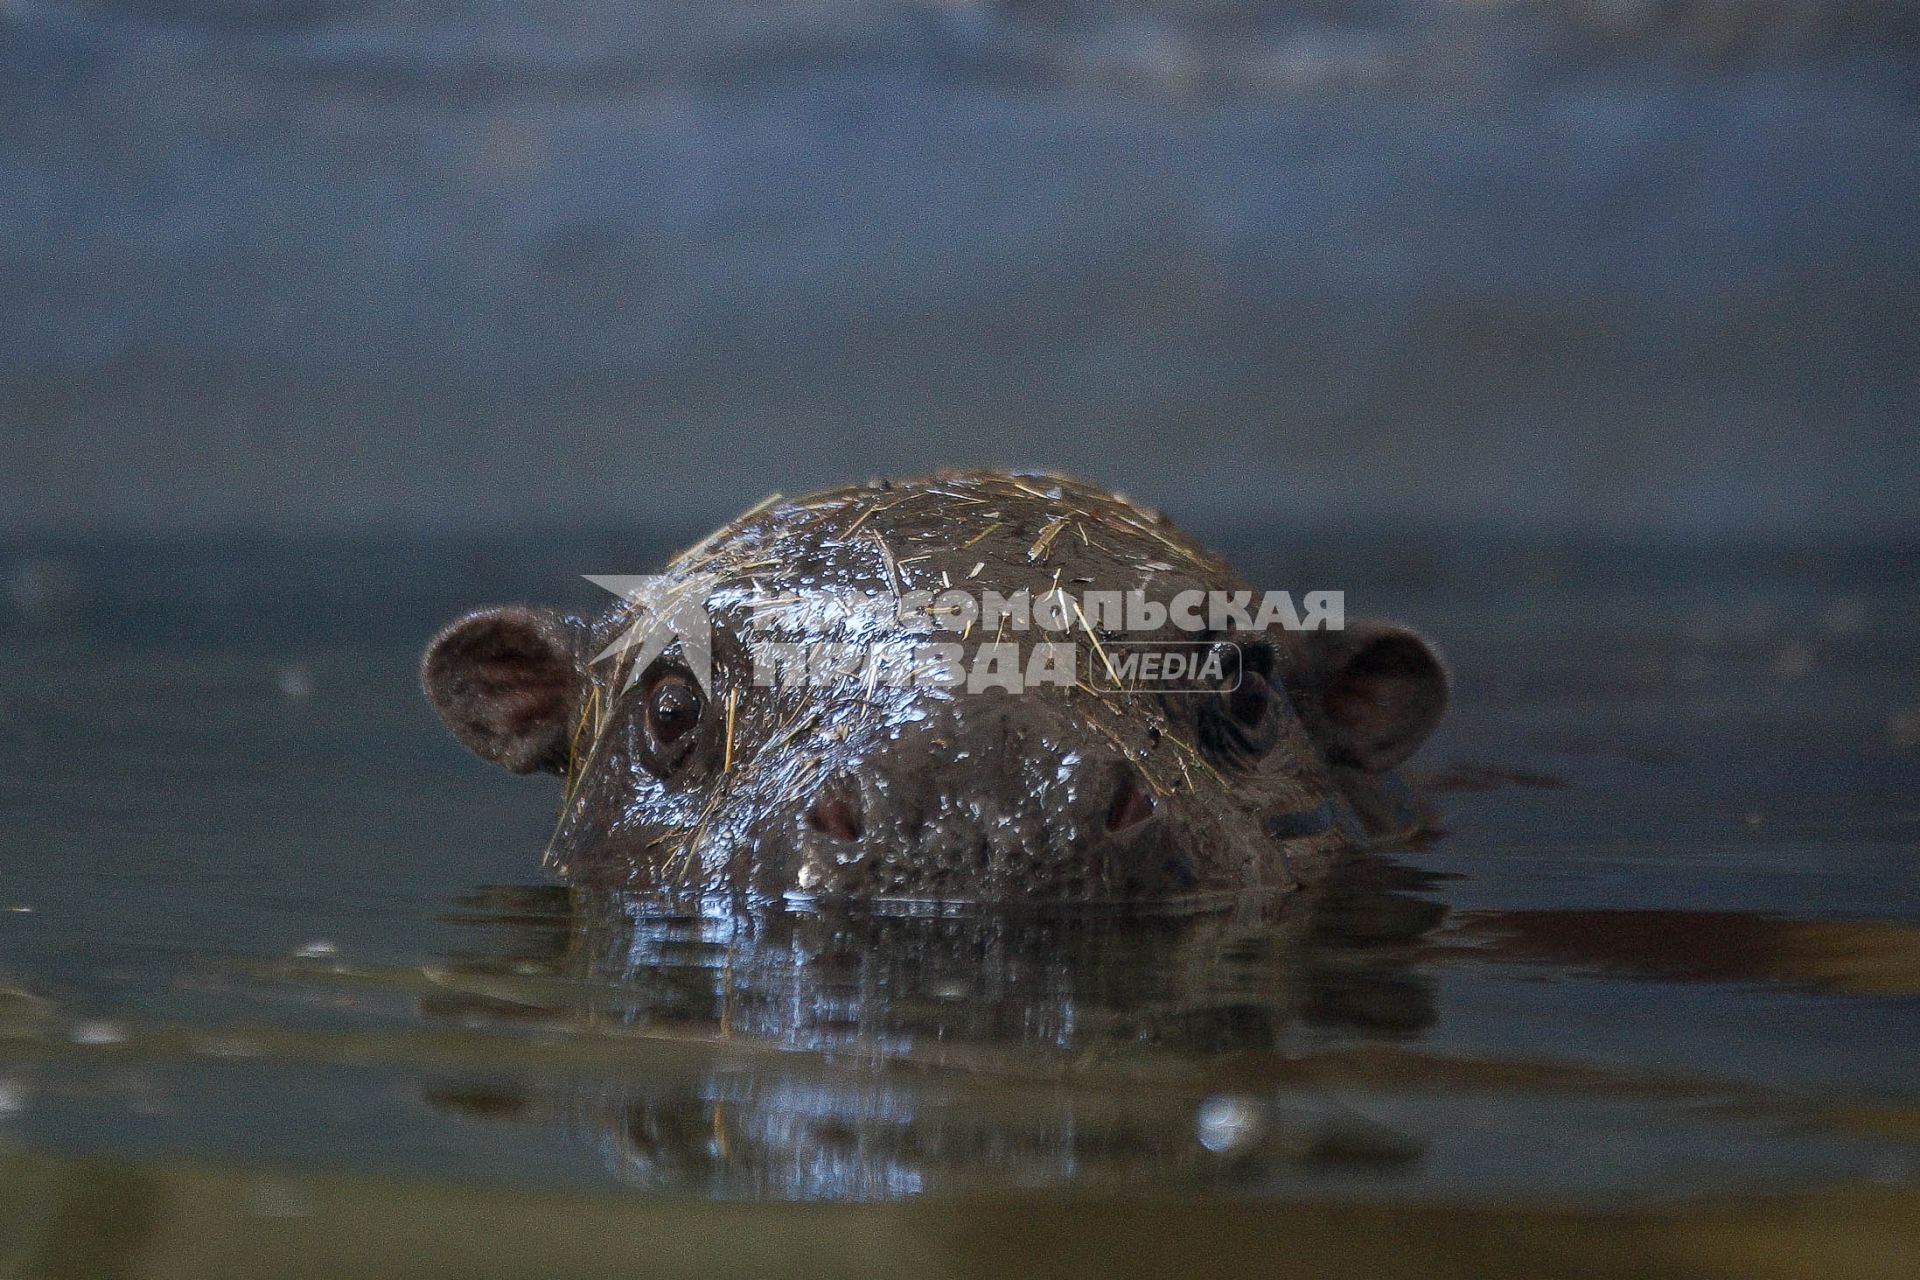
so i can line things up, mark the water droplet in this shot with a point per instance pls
(316, 950)
(1226, 1123)
(295, 681)
(99, 1033)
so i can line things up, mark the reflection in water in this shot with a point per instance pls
(882, 1055)
(1325, 1048)
(1859, 957)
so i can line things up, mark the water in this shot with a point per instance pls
(279, 979)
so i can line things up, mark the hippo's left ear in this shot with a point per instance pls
(507, 682)
(1379, 690)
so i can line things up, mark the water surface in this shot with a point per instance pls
(280, 978)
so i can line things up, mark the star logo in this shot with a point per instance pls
(666, 608)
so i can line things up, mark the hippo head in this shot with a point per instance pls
(823, 699)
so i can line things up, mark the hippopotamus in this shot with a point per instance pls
(1009, 749)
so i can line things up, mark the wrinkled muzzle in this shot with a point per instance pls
(1017, 802)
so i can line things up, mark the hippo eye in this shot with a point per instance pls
(673, 708)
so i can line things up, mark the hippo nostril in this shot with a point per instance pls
(834, 815)
(1131, 806)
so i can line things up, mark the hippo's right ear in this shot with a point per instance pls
(1381, 689)
(507, 681)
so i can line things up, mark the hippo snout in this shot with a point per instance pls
(1022, 818)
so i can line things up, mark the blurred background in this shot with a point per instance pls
(1613, 268)
(1579, 333)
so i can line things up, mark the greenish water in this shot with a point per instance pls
(281, 989)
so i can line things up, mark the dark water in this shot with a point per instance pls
(281, 988)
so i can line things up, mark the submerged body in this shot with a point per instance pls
(820, 699)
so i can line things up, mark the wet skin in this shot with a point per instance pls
(1258, 777)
